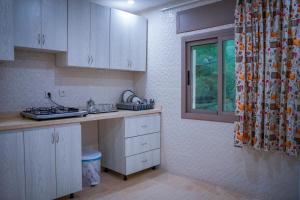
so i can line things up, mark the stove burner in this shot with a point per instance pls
(50, 110)
(43, 113)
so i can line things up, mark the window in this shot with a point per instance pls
(208, 76)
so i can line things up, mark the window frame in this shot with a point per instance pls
(186, 76)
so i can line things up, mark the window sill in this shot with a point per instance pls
(227, 118)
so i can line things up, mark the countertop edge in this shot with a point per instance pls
(17, 122)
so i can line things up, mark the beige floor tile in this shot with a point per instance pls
(155, 185)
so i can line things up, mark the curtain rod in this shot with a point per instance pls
(180, 5)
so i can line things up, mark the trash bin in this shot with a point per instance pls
(91, 165)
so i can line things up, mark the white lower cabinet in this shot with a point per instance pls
(12, 177)
(143, 143)
(142, 161)
(131, 144)
(40, 163)
(53, 161)
(68, 160)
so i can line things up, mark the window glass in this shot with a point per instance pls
(228, 76)
(204, 70)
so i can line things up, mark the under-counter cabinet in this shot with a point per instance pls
(88, 35)
(40, 163)
(130, 144)
(128, 41)
(41, 24)
(53, 161)
(12, 176)
(6, 30)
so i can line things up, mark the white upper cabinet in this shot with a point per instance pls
(41, 24)
(27, 21)
(128, 39)
(120, 39)
(138, 44)
(54, 25)
(6, 30)
(79, 21)
(99, 41)
(88, 35)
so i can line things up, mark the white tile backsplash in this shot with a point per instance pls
(23, 82)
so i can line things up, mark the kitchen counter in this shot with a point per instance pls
(15, 121)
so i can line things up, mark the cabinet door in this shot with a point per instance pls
(40, 164)
(78, 33)
(6, 30)
(12, 177)
(99, 45)
(138, 43)
(54, 25)
(27, 23)
(68, 159)
(120, 39)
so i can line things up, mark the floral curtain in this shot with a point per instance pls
(267, 36)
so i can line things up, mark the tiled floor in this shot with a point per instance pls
(155, 185)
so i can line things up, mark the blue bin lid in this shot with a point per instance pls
(91, 156)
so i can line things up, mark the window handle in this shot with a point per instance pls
(188, 77)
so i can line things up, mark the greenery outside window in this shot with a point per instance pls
(208, 76)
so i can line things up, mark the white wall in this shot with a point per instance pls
(200, 149)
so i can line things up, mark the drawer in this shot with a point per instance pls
(142, 161)
(142, 125)
(143, 143)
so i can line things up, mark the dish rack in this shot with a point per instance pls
(135, 106)
(130, 101)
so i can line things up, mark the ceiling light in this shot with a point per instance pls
(130, 2)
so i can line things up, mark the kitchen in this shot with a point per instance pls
(68, 52)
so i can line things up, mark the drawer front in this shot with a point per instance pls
(143, 143)
(142, 125)
(142, 161)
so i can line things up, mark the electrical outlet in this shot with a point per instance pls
(62, 93)
(46, 94)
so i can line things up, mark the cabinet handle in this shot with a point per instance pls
(145, 143)
(57, 138)
(92, 60)
(39, 38)
(144, 161)
(89, 61)
(53, 138)
(43, 39)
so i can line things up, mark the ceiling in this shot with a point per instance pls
(138, 6)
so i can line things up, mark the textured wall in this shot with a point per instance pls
(201, 149)
(23, 82)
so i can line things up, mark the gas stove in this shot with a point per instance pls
(57, 112)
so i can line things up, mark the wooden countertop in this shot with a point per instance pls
(15, 121)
